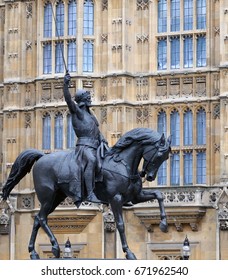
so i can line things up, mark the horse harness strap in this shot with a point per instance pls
(88, 141)
(132, 177)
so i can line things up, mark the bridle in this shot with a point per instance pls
(152, 156)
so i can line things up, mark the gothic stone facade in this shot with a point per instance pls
(139, 59)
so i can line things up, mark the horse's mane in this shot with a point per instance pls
(137, 134)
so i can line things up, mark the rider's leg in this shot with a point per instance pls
(89, 174)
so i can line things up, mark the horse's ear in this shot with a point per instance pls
(162, 140)
(169, 140)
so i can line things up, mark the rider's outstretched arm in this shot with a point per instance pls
(73, 107)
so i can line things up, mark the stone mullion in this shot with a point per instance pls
(80, 37)
(38, 127)
(123, 36)
(168, 112)
(65, 136)
(52, 114)
(194, 144)
(224, 138)
(181, 145)
(209, 150)
(152, 39)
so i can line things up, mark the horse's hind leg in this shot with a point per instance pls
(48, 204)
(33, 254)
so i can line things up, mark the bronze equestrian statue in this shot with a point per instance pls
(60, 174)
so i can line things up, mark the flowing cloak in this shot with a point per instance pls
(71, 169)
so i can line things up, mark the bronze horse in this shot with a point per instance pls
(121, 181)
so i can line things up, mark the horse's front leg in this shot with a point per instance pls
(146, 195)
(116, 205)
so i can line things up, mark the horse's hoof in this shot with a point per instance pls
(130, 256)
(56, 251)
(163, 226)
(34, 255)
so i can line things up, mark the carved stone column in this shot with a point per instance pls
(109, 235)
(222, 207)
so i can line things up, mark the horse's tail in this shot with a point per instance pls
(20, 168)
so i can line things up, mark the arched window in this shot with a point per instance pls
(59, 19)
(175, 15)
(162, 16)
(47, 20)
(162, 174)
(175, 128)
(87, 56)
(201, 127)
(72, 17)
(71, 56)
(59, 131)
(47, 58)
(71, 137)
(175, 169)
(88, 18)
(162, 123)
(201, 168)
(188, 128)
(59, 63)
(46, 137)
(188, 168)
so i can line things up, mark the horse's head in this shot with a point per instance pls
(154, 155)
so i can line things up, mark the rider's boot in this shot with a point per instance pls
(93, 198)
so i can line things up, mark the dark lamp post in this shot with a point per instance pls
(186, 252)
(67, 250)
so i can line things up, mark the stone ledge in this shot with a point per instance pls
(175, 216)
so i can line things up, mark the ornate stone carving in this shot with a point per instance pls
(216, 147)
(187, 87)
(28, 45)
(26, 202)
(104, 5)
(117, 47)
(14, 88)
(58, 91)
(109, 221)
(201, 86)
(117, 21)
(175, 217)
(142, 115)
(142, 4)
(88, 83)
(28, 9)
(216, 111)
(142, 89)
(104, 38)
(142, 38)
(2, 15)
(70, 224)
(11, 115)
(161, 88)
(222, 206)
(28, 120)
(4, 222)
(217, 30)
(6, 209)
(46, 92)
(103, 115)
(103, 94)
(13, 30)
(174, 87)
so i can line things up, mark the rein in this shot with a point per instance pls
(152, 157)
